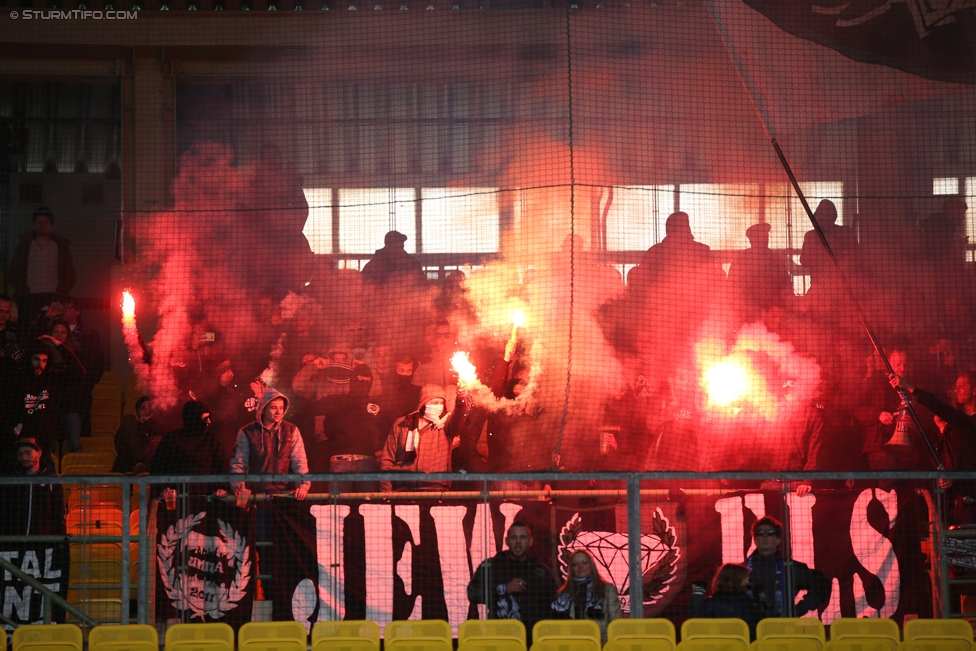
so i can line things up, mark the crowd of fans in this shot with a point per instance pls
(380, 393)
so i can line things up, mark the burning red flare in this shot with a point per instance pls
(467, 373)
(128, 305)
(726, 381)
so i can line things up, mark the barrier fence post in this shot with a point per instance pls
(634, 546)
(126, 555)
(144, 565)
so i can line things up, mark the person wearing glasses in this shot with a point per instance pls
(770, 573)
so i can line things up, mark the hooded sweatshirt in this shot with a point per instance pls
(278, 449)
(431, 444)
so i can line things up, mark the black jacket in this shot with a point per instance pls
(726, 604)
(33, 509)
(491, 577)
(763, 579)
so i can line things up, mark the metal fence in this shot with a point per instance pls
(887, 544)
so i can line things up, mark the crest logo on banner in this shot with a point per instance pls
(660, 556)
(218, 567)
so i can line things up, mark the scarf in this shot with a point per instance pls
(586, 606)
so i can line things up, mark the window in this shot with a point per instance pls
(636, 218)
(721, 213)
(318, 226)
(366, 215)
(945, 185)
(460, 220)
(785, 212)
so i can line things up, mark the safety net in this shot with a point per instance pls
(490, 236)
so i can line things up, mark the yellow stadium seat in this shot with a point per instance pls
(94, 521)
(954, 629)
(200, 637)
(860, 644)
(421, 635)
(566, 629)
(87, 463)
(105, 422)
(111, 378)
(865, 628)
(352, 635)
(272, 636)
(102, 609)
(102, 391)
(787, 644)
(495, 629)
(729, 628)
(491, 644)
(91, 495)
(99, 442)
(651, 628)
(425, 629)
(48, 637)
(807, 627)
(404, 644)
(711, 644)
(134, 637)
(106, 403)
(565, 644)
(936, 644)
(640, 644)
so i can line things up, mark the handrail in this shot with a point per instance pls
(50, 595)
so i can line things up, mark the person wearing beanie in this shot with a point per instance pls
(190, 450)
(137, 439)
(418, 442)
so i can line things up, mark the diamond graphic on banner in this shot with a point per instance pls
(611, 551)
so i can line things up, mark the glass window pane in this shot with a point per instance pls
(948, 185)
(460, 220)
(635, 221)
(785, 213)
(721, 213)
(318, 226)
(971, 209)
(366, 215)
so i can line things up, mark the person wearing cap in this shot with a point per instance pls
(137, 439)
(393, 261)
(190, 450)
(759, 277)
(32, 509)
(42, 268)
(418, 442)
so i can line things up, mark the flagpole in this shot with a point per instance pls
(821, 235)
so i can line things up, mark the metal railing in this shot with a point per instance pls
(483, 487)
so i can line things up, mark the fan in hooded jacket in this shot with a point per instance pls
(271, 445)
(418, 441)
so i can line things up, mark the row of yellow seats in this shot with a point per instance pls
(847, 634)
(508, 635)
